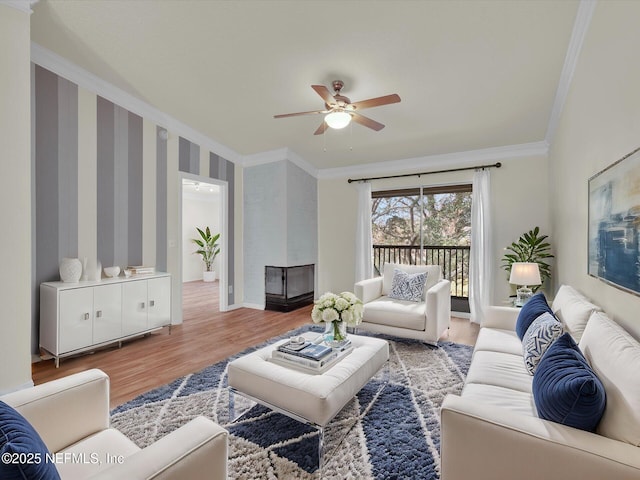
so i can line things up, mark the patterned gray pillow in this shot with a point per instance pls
(408, 286)
(543, 331)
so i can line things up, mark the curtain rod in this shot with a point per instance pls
(496, 165)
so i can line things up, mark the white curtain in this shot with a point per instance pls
(364, 246)
(481, 261)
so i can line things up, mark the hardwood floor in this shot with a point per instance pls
(206, 336)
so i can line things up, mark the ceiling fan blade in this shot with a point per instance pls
(313, 112)
(366, 121)
(321, 129)
(325, 94)
(376, 102)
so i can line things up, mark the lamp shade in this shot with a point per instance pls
(525, 273)
(337, 119)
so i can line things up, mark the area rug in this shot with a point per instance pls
(388, 431)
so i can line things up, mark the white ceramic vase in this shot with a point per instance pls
(70, 270)
(209, 276)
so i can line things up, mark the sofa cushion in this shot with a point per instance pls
(565, 388)
(408, 286)
(24, 454)
(499, 369)
(498, 340)
(513, 401)
(572, 309)
(434, 274)
(536, 306)
(396, 313)
(540, 335)
(615, 357)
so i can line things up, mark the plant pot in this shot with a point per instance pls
(209, 276)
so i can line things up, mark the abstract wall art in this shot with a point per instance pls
(614, 224)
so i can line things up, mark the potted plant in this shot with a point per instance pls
(530, 247)
(208, 248)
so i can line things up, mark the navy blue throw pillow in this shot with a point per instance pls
(23, 454)
(565, 388)
(536, 306)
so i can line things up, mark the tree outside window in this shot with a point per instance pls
(412, 226)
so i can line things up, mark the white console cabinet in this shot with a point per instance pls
(76, 317)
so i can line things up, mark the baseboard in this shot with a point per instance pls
(255, 306)
(235, 306)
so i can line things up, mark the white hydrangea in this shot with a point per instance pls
(342, 304)
(344, 307)
(316, 314)
(329, 315)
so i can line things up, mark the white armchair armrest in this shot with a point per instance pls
(438, 310)
(502, 445)
(195, 451)
(501, 317)
(66, 410)
(368, 290)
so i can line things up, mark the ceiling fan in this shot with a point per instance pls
(339, 111)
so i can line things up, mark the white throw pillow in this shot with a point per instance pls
(434, 274)
(408, 286)
(573, 309)
(615, 357)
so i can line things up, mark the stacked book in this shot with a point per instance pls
(309, 355)
(142, 270)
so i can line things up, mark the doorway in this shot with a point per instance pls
(203, 203)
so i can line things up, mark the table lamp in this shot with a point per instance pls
(524, 274)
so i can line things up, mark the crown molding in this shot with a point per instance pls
(72, 72)
(580, 28)
(446, 160)
(22, 5)
(276, 156)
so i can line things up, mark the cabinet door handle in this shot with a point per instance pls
(99, 314)
(152, 303)
(142, 305)
(86, 316)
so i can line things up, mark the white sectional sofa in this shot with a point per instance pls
(492, 430)
(426, 320)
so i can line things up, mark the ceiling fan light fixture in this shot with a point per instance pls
(337, 120)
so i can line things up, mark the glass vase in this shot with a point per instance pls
(335, 333)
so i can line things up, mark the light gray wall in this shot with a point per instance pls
(280, 222)
(302, 217)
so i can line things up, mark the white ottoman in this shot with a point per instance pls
(315, 399)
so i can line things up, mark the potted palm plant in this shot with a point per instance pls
(530, 247)
(207, 248)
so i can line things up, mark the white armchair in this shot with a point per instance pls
(71, 415)
(426, 320)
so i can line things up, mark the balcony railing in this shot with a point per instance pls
(454, 261)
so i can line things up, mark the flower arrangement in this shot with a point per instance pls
(338, 311)
(344, 307)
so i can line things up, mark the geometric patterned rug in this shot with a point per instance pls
(387, 431)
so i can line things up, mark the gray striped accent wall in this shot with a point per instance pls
(188, 157)
(161, 202)
(119, 197)
(56, 178)
(119, 186)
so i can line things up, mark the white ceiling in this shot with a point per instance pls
(472, 74)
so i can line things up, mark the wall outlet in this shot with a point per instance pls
(230, 289)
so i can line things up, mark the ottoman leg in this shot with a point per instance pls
(320, 449)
